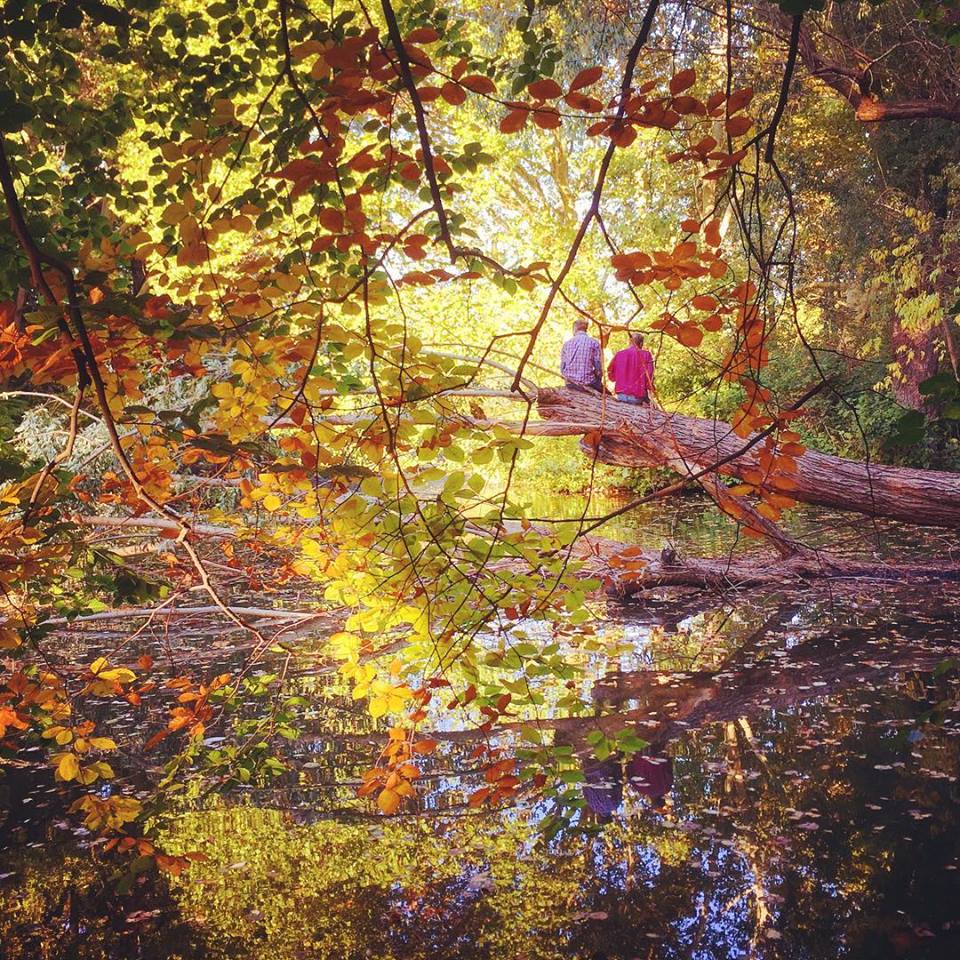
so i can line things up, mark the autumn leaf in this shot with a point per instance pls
(586, 77)
(737, 126)
(545, 89)
(68, 767)
(513, 121)
(682, 81)
(479, 83)
(389, 801)
(690, 335)
(422, 35)
(453, 93)
(739, 99)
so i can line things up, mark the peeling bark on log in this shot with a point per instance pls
(924, 497)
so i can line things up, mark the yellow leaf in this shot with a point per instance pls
(87, 775)
(272, 502)
(68, 767)
(388, 801)
(118, 674)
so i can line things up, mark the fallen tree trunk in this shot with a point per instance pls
(924, 497)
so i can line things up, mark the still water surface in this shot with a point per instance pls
(799, 799)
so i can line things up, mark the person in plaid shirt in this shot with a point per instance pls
(580, 364)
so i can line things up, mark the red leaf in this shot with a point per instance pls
(513, 121)
(478, 796)
(737, 126)
(682, 81)
(545, 89)
(739, 99)
(453, 93)
(478, 83)
(546, 119)
(331, 219)
(690, 335)
(423, 35)
(585, 77)
(580, 101)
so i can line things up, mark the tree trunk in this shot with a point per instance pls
(632, 436)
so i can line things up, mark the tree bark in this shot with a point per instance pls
(634, 436)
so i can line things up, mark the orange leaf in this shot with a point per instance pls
(389, 801)
(545, 89)
(682, 81)
(690, 335)
(690, 226)
(704, 302)
(172, 865)
(478, 796)
(155, 739)
(793, 449)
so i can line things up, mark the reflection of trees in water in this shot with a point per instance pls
(691, 881)
(778, 820)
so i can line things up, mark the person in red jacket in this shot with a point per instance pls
(631, 370)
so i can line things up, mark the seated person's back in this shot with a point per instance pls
(631, 370)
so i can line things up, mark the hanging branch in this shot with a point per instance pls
(771, 130)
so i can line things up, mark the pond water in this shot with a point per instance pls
(798, 798)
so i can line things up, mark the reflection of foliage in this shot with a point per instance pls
(808, 823)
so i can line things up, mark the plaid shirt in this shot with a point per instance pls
(580, 360)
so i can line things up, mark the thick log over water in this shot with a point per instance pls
(632, 436)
